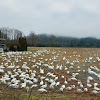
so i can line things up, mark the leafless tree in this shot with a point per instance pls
(32, 38)
(10, 33)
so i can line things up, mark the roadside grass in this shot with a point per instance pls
(32, 50)
(25, 97)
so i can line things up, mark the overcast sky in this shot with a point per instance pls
(77, 18)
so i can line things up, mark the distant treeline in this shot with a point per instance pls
(44, 40)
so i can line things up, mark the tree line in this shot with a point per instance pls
(44, 40)
(13, 37)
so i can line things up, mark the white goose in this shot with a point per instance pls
(65, 81)
(41, 71)
(41, 83)
(44, 86)
(42, 90)
(95, 86)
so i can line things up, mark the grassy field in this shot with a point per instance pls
(55, 64)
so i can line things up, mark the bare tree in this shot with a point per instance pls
(4, 32)
(32, 39)
(17, 34)
(10, 33)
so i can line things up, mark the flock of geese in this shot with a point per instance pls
(47, 70)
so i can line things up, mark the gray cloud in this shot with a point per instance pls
(78, 18)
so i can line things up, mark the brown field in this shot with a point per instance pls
(67, 58)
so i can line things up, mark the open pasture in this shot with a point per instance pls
(67, 71)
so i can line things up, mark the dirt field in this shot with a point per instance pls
(50, 74)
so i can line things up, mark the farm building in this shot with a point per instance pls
(3, 46)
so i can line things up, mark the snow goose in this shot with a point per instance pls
(73, 78)
(68, 72)
(73, 86)
(61, 89)
(41, 83)
(69, 88)
(10, 67)
(52, 85)
(51, 67)
(58, 83)
(96, 88)
(65, 81)
(42, 77)
(1, 70)
(62, 76)
(42, 90)
(85, 89)
(55, 78)
(95, 92)
(79, 90)
(47, 79)
(41, 71)
(23, 85)
(27, 89)
(63, 86)
(89, 85)
(34, 85)
(64, 58)
(3, 80)
(44, 86)
(35, 80)
(81, 85)
(90, 78)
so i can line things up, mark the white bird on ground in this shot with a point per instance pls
(52, 85)
(68, 72)
(34, 85)
(61, 89)
(63, 86)
(41, 71)
(73, 86)
(90, 78)
(79, 90)
(56, 78)
(85, 89)
(1, 70)
(95, 86)
(44, 86)
(79, 82)
(35, 80)
(64, 58)
(42, 90)
(69, 88)
(42, 77)
(89, 85)
(51, 67)
(58, 83)
(10, 67)
(23, 85)
(81, 85)
(95, 92)
(62, 76)
(65, 81)
(41, 83)
(73, 78)
(47, 79)
(27, 89)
